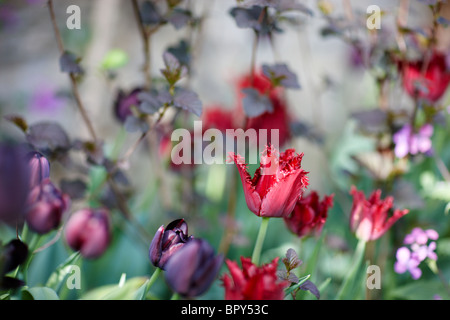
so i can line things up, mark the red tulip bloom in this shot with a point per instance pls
(277, 184)
(429, 84)
(309, 214)
(369, 218)
(278, 119)
(217, 117)
(253, 283)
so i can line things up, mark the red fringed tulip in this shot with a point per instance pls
(88, 231)
(46, 205)
(277, 184)
(192, 270)
(252, 282)
(167, 241)
(309, 214)
(429, 84)
(369, 217)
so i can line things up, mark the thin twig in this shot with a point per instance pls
(71, 75)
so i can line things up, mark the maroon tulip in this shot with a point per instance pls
(167, 241)
(369, 218)
(124, 102)
(14, 183)
(309, 214)
(252, 282)
(88, 231)
(39, 168)
(277, 184)
(46, 205)
(192, 270)
(429, 84)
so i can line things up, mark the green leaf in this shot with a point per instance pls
(39, 293)
(347, 290)
(128, 290)
(114, 59)
(420, 290)
(61, 272)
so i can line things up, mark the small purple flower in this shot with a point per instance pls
(406, 141)
(425, 251)
(407, 261)
(420, 236)
(45, 99)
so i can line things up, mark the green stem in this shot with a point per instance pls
(151, 281)
(349, 280)
(260, 240)
(175, 296)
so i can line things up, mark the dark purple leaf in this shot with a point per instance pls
(179, 18)
(255, 104)
(75, 189)
(69, 63)
(279, 74)
(150, 103)
(150, 14)
(303, 129)
(48, 136)
(135, 124)
(279, 5)
(291, 261)
(174, 71)
(311, 287)
(247, 18)
(188, 100)
(182, 52)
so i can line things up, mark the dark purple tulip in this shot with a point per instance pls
(88, 231)
(167, 241)
(14, 183)
(46, 205)
(39, 168)
(11, 256)
(192, 270)
(123, 103)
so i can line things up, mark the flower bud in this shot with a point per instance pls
(88, 231)
(14, 183)
(168, 241)
(192, 270)
(39, 168)
(46, 205)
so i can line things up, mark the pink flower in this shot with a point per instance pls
(406, 141)
(369, 217)
(277, 184)
(406, 261)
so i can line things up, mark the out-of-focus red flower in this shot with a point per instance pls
(429, 84)
(88, 231)
(217, 117)
(277, 184)
(279, 119)
(252, 282)
(369, 217)
(46, 205)
(309, 214)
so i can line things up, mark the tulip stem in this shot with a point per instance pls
(260, 240)
(151, 281)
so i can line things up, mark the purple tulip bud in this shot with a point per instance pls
(14, 183)
(124, 102)
(88, 231)
(39, 168)
(192, 270)
(46, 205)
(168, 241)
